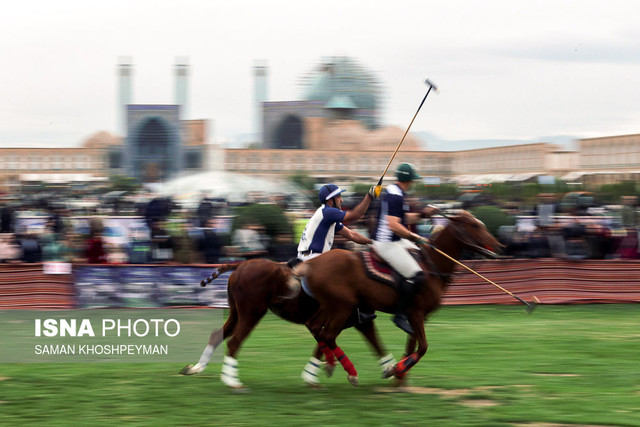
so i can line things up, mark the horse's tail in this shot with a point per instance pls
(218, 271)
(295, 280)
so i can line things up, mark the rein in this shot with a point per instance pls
(433, 269)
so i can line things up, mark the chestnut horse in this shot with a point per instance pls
(338, 281)
(258, 285)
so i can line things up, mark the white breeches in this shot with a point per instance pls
(397, 255)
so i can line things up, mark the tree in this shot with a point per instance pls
(271, 217)
(493, 217)
(123, 183)
(303, 180)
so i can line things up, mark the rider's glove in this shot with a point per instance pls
(374, 191)
(420, 241)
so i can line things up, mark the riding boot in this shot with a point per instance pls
(365, 314)
(405, 297)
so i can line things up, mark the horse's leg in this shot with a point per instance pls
(215, 339)
(315, 325)
(329, 334)
(311, 369)
(386, 360)
(246, 322)
(412, 359)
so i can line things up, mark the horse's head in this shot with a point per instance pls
(473, 234)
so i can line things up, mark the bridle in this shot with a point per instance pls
(459, 235)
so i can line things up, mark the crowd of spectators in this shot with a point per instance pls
(574, 237)
(204, 236)
(48, 234)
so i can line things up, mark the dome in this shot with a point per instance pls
(341, 78)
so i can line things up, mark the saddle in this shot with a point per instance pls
(378, 269)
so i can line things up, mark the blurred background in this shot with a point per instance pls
(180, 180)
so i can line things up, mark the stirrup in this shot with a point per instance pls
(365, 317)
(402, 322)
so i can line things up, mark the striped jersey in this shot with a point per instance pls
(391, 204)
(318, 234)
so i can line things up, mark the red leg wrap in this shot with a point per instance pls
(346, 363)
(328, 354)
(405, 364)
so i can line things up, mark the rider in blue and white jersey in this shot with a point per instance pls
(328, 220)
(392, 239)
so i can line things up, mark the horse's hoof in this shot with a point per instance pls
(192, 369)
(328, 368)
(388, 373)
(188, 370)
(353, 379)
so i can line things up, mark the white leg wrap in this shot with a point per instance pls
(229, 374)
(387, 363)
(206, 356)
(310, 372)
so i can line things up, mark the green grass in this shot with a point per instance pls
(486, 366)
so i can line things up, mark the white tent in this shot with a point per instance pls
(188, 190)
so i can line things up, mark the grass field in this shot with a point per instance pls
(486, 366)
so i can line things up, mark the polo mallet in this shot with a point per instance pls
(431, 86)
(530, 305)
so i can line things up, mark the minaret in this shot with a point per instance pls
(181, 90)
(125, 73)
(260, 96)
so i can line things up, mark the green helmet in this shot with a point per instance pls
(406, 172)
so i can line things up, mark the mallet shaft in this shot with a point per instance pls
(482, 277)
(431, 86)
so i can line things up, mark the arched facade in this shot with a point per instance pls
(153, 148)
(290, 132)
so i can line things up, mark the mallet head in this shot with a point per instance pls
(532, 305)
(430, 84)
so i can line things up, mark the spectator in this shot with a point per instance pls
(628, 248)
(6, 219)
(209, 244)
(538, 245)
(31, 249)
(157, 210)
(94, 250)
(9, 248)
(247, 241)
(283, 248)
(50, 243)
(183, 246)
(204, 212)
(545, 210)
(629, 215)
(161, 242)
(575, 240)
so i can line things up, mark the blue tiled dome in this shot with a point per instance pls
(343, 83)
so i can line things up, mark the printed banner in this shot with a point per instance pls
(147, 286)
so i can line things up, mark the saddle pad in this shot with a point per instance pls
(376, 270)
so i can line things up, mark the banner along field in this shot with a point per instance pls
(486, 365)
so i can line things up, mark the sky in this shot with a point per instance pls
(512, 69)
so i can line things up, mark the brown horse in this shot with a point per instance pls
(258, 285)
(338, 281)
